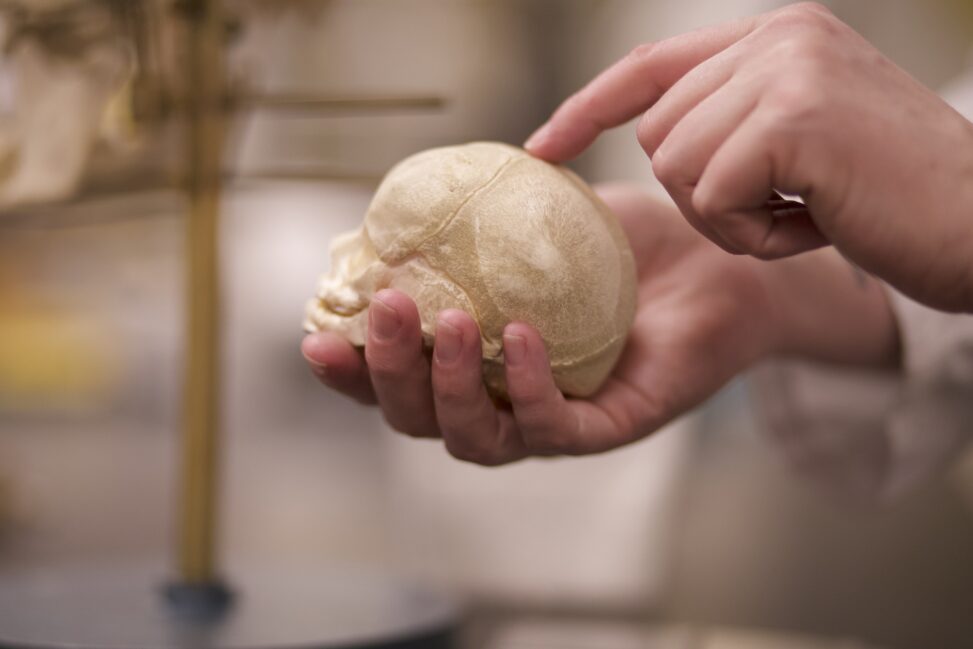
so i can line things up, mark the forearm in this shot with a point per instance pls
(825, 309)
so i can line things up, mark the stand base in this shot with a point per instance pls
(114, 608)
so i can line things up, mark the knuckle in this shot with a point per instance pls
(450, 393)
(526, 396)
(580, 103)
(707, 203)
(666, 168)
(662, 406)
(813, 7)
(804, 15)
(385, 372)
(797, 99)
(803, 53)
(384, 366)
(804, 45)
(796, 53)
(544, 434)
(647, 133)
(642, 53)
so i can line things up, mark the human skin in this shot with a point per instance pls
(703, 316)
(795, 101)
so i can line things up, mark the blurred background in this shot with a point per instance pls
(701, 529)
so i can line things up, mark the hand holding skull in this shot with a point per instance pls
(489, 230)
(701, 317)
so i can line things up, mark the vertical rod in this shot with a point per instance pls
(204, 95)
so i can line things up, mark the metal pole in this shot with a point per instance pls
(204, 96)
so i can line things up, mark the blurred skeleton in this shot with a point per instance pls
(63, 64)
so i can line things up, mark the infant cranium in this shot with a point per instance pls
(486, 228)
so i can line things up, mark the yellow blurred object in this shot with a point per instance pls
(118, 124)
(53, 359)
(50, 357)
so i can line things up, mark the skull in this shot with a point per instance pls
(486, 228)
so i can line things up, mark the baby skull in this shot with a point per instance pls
(486, 228)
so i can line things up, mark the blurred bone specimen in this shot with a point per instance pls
(486, 228)
(59, 69)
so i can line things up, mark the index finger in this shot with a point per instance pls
(630, 87)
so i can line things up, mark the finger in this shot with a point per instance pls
(630, 87)
(549, 424)
(731, 196)
(472, 428)
(680, 160)
(397, 365)
(338, 365)
(687, 93)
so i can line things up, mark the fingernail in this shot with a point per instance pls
(449, 342)
(514, 349)
(538, 137)
(385, 321)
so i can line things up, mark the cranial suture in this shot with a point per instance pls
(491, 230)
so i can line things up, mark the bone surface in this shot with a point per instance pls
(491, 230)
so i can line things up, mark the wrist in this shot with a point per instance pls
(759, 329)
(822, 308)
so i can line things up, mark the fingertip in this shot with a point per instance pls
(402, 303)
(338, 365)
(457, 339)
(553, 152)
(535, 144)
(556, 144)
(318, 347)
(394, 299)
(523, 348)
(514, 351)
(521, 330)
(328, 352)
(539, 408)
(458, 319)
(392, 316)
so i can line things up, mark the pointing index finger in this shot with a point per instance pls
(630, 87)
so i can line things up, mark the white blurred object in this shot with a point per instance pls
(607, 634)
(591, 634)
(318, 453)
(476, 55)
(52, 102)
(592, 531)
